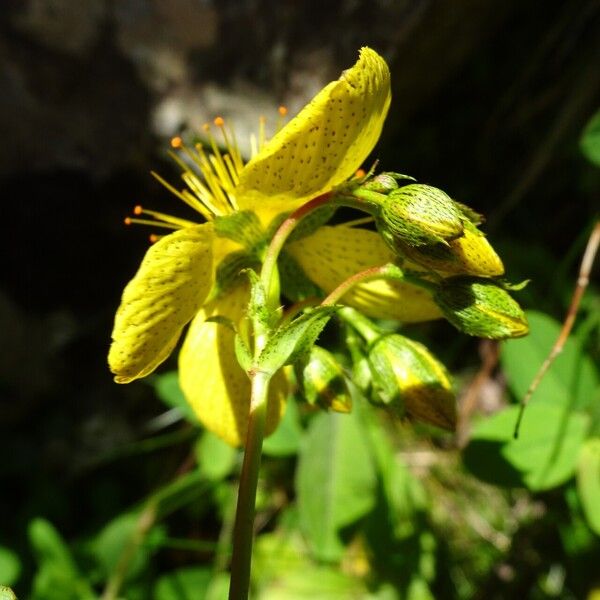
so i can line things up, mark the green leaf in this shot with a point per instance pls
(335, 481)
(285, 441)
(188, 583)
(588, 482)
(215, 458)
(294, 340)
(10, 566)
(544, 456)
(168, 390)
(282, 570)
(590, 140)
(295, 284)
(108, 546)
(242, 353)
(58, 577)
(571, 381)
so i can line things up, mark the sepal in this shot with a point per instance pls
(481, 307)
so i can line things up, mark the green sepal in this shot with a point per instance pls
(294, 282)
(257, 307)
(242, 227)
(229, 270)
(514, 287)
(292, 342)
(361, 372)
(471, 215)
(242, 353)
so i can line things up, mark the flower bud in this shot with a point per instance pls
(419, 215)
(382, 183)
(322, 381)
(405, 374)
(470, 254)
(481, 307)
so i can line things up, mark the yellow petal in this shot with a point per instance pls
(212, 381)
(332, 254)
(167, 291)
(324, 144)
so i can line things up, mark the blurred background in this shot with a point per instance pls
(490, 103)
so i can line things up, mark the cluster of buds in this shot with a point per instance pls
(438, 246)
(431, 233)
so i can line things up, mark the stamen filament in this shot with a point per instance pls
(134, 221)
(179, 223)
(187, 198)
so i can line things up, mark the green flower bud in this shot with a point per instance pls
(406, 375)
(481, 307)
(322, 381)
(382, 183)
(419, 215)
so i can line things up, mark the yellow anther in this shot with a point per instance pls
(176, 142)
(282, 110)
(219, 121)
(360, 173)
(127, 220)
(206, 127)
(138, 210)
(154, 238)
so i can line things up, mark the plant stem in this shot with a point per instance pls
(282, 234)
(244, 519)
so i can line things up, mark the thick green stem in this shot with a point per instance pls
(243, 531)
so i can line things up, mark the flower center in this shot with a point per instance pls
(210, 175)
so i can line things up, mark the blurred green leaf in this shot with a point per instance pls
(335, 481)
(168, 390)
(10, 566)
(285, 440)
(215, 458)
(588, 482)
(571, 381)
(108, 546)
(544, 456)
(57, 577)
(188, 583)
(590, 140)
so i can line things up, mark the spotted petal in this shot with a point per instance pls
(324, 144)
(332, 254)
(212, 381)
(169, 288)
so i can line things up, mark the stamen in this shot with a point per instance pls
(176, 142)
(360, 173)
(355, 222)
(282, 110)
(162, 217)
(188, 199)
(261, 132)
(130, 221)
(153, 238)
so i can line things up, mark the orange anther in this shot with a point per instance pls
(176, 142)
(360, 173)
(282, 110)
(153, 238)
(127, 220)
(206, 127)
(138, 210)
(219, 121)
(262, 119)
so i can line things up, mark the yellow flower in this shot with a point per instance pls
(180, 278)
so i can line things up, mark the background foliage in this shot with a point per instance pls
(104, 485)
